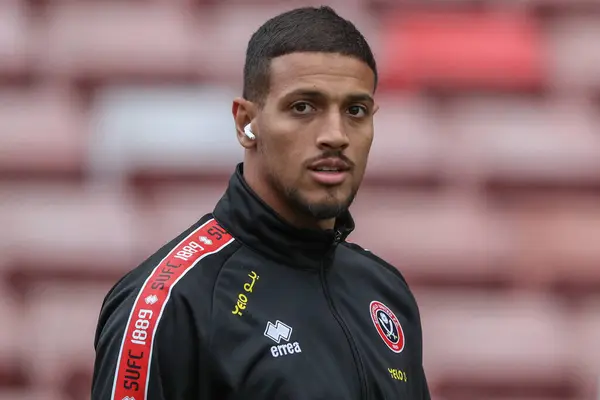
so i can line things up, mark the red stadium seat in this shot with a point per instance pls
(171, 208)
(284, 3)
(522, 141)
(563, 6)
(408, 143)
(575, 53)
(119, 38)
(42, 131)
(586, 341)
(461, 51)
(500, 339)
(558, 242)
(516, 395)
(16, 40)
(30, 394)
(12, 330)
(5, 238)
(229, 27)
(228, 30)
(433, 240)
(69, 232)
(543, 5)
(61, 323)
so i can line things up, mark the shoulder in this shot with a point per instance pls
(182, 271)
(383, 265)
(387, 273)
(195, 258)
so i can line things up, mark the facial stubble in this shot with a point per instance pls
(329, 208)
(326, 209)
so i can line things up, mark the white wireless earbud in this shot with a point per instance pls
(248, 132)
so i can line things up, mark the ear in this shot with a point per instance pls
(243, 114)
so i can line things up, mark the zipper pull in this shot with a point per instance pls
(337, 238)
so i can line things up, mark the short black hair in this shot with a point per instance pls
(306, 29)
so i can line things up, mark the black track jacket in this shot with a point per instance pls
(244, 306)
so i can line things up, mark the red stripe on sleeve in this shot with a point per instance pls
(133, 366)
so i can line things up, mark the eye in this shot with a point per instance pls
(357, 111)
(302, 107)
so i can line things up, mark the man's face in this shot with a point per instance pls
(316, 130)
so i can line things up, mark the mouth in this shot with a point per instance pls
(330, 165)
(330, 171)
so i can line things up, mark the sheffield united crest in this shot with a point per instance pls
(387, 326)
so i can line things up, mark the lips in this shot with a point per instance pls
(330, 165)
(330, 171)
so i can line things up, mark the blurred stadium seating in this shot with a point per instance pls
(483, 185)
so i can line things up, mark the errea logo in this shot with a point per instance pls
(279, 331)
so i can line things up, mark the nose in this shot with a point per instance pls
(333, 134)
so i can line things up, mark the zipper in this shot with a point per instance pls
(360, 368)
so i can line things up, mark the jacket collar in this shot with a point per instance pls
(250, 220)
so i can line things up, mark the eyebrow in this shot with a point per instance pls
(315, 94)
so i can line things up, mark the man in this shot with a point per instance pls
(264, 298)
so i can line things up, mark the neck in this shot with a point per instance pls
(280, 205)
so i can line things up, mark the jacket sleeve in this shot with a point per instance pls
(132, 363)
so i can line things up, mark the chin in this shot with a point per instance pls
(328, 206)
(322, 203)
(328, 210)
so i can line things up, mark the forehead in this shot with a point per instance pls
(333, 74)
